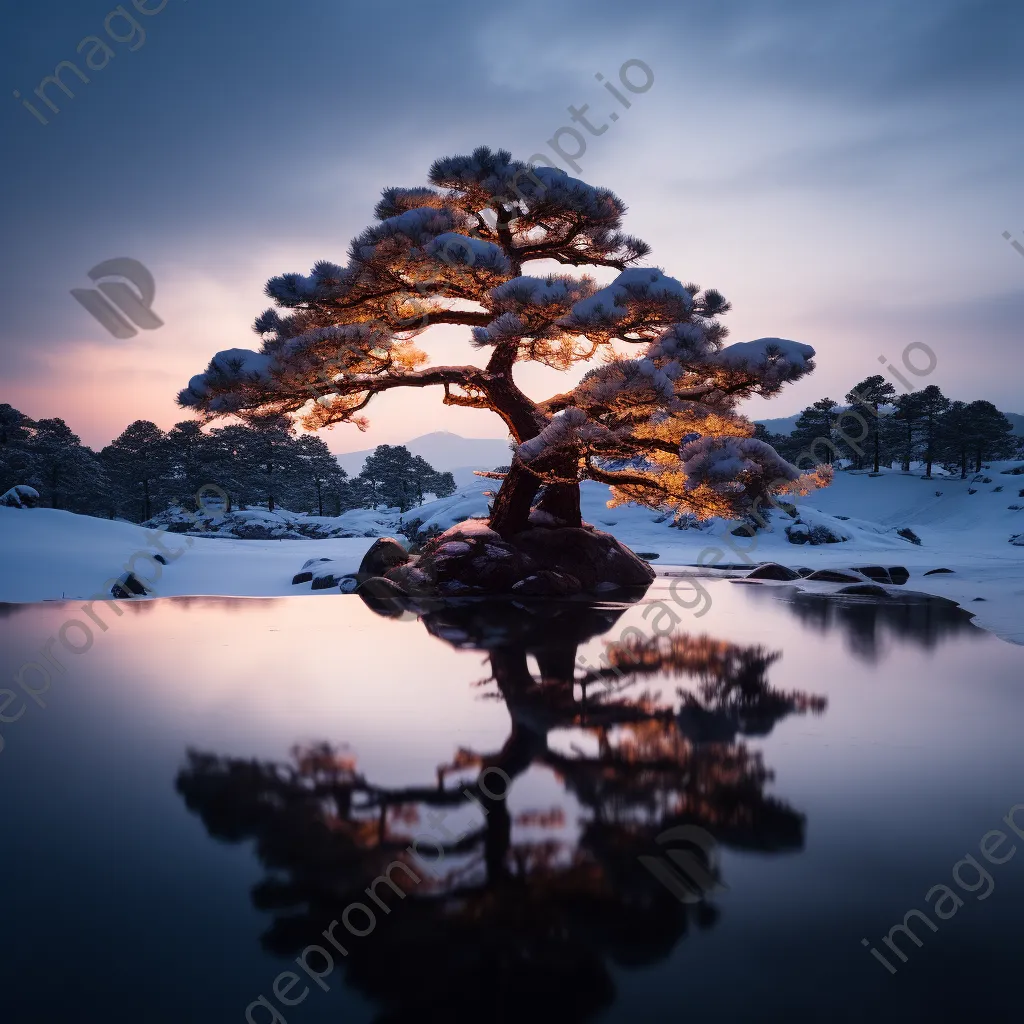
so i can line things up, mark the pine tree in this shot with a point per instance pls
(270, 453)
(992, 435)
(454, 253)
(870, 395)
(65, 472)
(443, 484)
(392, 472)
(192, 461)
(932, 403)
(955, 440)
(814, 428)
(319, 468)
(908, 413)
(15, 458)
(138, 464)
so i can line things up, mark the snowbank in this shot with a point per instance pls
(967, 526)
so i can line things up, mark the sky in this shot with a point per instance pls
(843, 172)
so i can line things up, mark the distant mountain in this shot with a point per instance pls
(1017, 420)
(446, 452)
(782, 425)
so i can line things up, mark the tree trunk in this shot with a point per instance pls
(563, 502)
(145, 500)
(909, 450)
(319, 499)
(877, 432)
(511, 509)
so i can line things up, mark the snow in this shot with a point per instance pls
(260, 524)
(773, 358)
(462, 250)
(611, 304)
(47, 554)
(20, 496)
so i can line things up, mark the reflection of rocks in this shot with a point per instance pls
(865, 623)
(523, 911)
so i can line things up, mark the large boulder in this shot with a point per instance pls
(385, 553)
(772, 571)
(543, 560)
(834, 576)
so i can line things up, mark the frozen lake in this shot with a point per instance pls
(829, 761)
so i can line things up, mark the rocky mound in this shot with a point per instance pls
(470, 559)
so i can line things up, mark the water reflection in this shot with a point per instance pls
(869, 624)
(528, 909)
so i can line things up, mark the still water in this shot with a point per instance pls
(215, 781)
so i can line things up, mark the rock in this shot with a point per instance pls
(547, 583)
(932, 572)
(898, 574)
(833, 576)
(582, 558)
(907, 534)
(648, 556)
(348, 584)
(325, 580)
(801, 533)
(1018, 540)
(864, 590)
(411, 579)
(773, 571)
(128, 585)
(20, 496)
(306, 574)
(160, 559)
(874, 572)
(383, 596)
(385, 553)
(590, 555)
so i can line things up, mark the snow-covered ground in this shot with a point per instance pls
(49, 555)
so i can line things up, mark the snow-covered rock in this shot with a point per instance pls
(260, 524)
(20, 496)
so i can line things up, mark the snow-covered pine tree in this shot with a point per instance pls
(661, 408)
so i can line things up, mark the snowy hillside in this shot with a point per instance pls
(965, 526)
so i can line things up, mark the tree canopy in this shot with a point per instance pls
(454, 253)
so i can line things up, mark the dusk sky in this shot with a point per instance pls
(842, 172)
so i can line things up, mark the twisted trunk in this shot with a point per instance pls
(511, 508)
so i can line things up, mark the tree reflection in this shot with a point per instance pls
(526, 910)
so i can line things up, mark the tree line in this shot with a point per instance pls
(145, 470)
(879, 428)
